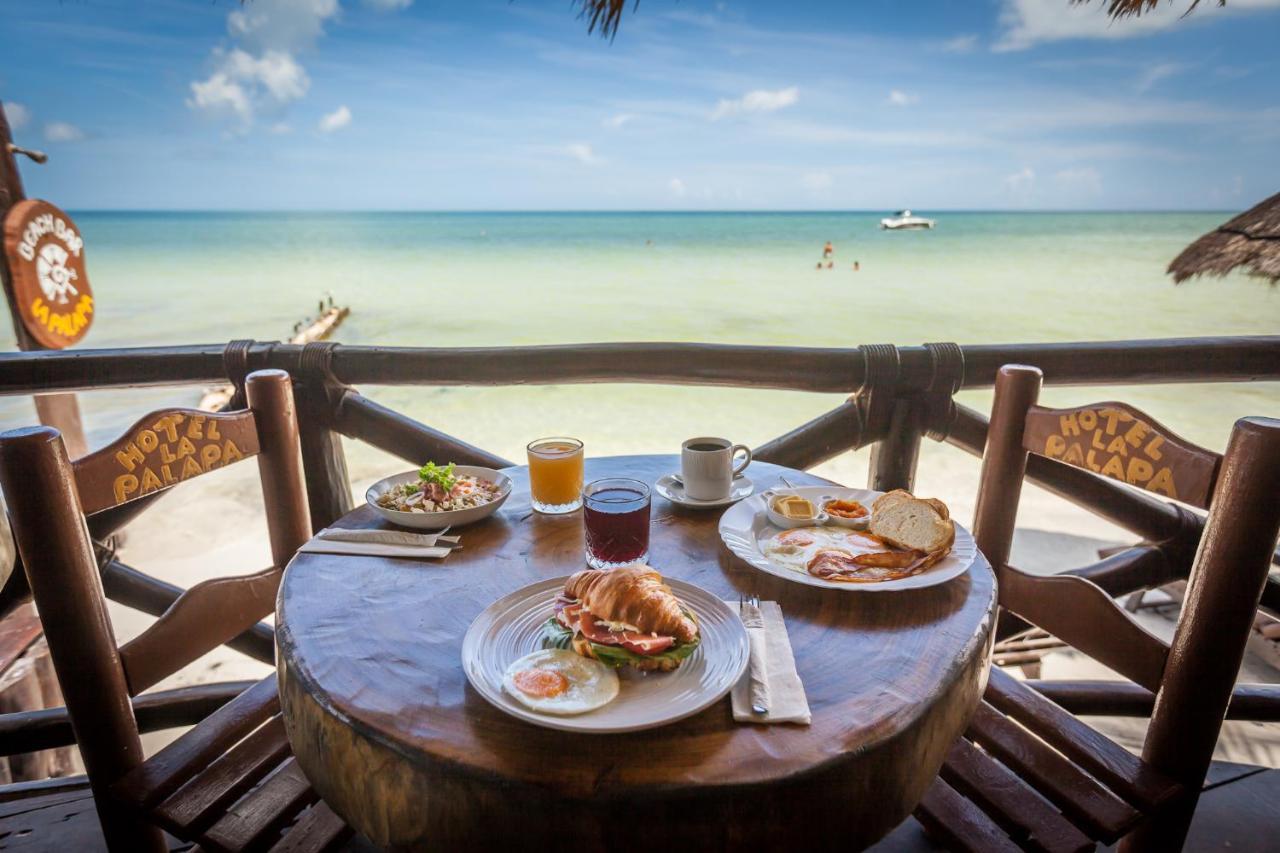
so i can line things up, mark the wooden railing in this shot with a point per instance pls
(897, 395)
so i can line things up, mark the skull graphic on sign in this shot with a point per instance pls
(55, 276)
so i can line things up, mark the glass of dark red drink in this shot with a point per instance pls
(616, 519)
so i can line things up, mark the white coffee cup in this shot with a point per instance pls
(706, 466)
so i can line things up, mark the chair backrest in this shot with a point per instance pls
(1193, 677)
(49, 498)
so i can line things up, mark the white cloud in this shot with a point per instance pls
(1085, 179)
(960, 44)
(18, 115)
(617, 121)
(277, 72)
(259, 72)
(817, 181)
(245, 84)
(221, 96)
(900, 98)
(61, 131)
(758, 101)
(1024, 23)
(582, 152)
(288, 25)
(1156, 73)
(677, 187)
(336, 120)
(1020, 181)
(280, 128)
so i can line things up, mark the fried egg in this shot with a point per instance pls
(558, 681)
(797, 547)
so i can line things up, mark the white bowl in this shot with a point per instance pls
(840, 521)
(780, 520)
(440, 520)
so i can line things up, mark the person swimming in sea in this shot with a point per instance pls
(856, 266)
(828, 250)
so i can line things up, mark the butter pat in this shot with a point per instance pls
(794, 507)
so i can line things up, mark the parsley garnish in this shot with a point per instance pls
(433, 473)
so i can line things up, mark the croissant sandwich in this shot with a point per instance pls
(623, 617)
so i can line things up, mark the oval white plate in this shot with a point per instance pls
(745, 525)
(511, 627)
(669, 488)
(440, 520)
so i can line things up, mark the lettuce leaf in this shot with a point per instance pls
(556, 636)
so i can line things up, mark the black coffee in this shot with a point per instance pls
(706, 447)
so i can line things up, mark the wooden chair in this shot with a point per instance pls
(230, 782)
(1029, 775)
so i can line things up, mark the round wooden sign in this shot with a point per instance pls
(46, 262)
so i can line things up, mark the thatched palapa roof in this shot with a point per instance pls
(1251, 241)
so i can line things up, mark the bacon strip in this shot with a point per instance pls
(833, 565)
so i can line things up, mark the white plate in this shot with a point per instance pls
(440, 520)
(673, 490)
(511, 627)
(745, 525)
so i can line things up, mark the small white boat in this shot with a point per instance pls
(905, 220)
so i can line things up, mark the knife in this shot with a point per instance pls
(753, 621)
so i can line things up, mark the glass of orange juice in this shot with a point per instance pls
(555, 474)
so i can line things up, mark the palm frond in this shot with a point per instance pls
(1133, 8)
(603, 15)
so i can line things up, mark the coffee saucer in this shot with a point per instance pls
(671, 488)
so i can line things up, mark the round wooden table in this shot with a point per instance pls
(384, 723)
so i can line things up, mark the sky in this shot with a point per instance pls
(695, 105)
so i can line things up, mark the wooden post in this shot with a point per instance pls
(323, 461)
(894, 457)
(20, 691)
(325, 464)
(61, 411)
(63, 760)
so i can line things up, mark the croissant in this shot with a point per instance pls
(635, 595)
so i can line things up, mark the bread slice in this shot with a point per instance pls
(888, 499)
(908, 522)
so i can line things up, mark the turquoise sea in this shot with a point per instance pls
(458, 279)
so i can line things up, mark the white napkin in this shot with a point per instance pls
(380, 543)
(787, 702)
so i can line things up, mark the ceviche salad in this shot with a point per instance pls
(439, 489)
